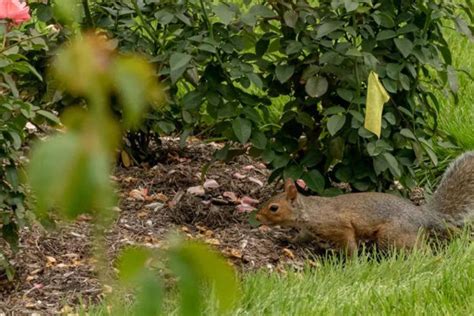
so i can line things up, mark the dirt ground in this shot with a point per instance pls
(55, 269)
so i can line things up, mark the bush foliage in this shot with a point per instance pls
(23, 54)
(226, 62)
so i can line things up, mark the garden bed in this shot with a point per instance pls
(55, 269)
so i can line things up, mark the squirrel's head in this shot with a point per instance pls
(278, 210)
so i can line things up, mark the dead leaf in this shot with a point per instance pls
(256, 181)
(287, 252)
(236, 253)
(244, 208)
(139, 194)
(156, 206)
(161, 197)
(212, 241)
(50, 261)
(211, 184)
(142, 214)
(249, 201)
(178, 196)
(196, 190)
(231, 196)
(239, 176)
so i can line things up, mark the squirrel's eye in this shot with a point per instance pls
(273, 207)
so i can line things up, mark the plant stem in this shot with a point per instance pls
(87, 13)
(5, 48)
(145, 25)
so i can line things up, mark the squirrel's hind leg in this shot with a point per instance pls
(345, 240)
(391, 236)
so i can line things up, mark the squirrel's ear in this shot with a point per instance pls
(290, 189)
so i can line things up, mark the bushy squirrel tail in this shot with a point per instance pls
(454, 197)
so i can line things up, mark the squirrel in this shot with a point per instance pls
(386, 220)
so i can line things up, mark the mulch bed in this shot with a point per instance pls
(55, 269)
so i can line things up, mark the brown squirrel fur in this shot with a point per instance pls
(387, 220)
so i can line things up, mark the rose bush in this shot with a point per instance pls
(21, 104)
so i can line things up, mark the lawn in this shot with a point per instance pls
(415, 284)
(458, 119)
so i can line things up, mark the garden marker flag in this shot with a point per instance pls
(376, 98)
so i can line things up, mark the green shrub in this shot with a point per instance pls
(225, 64)
(21, 91)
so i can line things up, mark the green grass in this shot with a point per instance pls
(458, 119)
(415, 284)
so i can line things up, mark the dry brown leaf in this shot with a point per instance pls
(236, 253)
(196, 190)
(256, 181)
(50, 261)
(231, 196)
(139, 194)
(239, 176)
(288, 253)
(249, 201)
(161, 197)
(142, 214)
(212, 241)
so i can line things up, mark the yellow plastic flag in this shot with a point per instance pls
(376, 98)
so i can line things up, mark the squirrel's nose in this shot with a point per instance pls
(258, 217)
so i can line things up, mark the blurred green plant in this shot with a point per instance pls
(69, 172)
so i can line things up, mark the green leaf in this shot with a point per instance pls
(136, 86)
(261, 47)
(194, 264)
(463, 27)
(351, 5)
(242, 129)
(178, 65)
(408, 133)
(131, 264)
(50, 116)
(149, 298)
(328, 27)
(291, 18)
(335, 123)
(293, 172)
(256, 80)
(71, 174)
(404, 45)
(293, 47)
(453, 79)
(192, 100)
(316, 86)
(16, 139)
(224, 13)
(386, 34)
(259, 140)
(393, 164)
(315, 180)
(284, 72)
